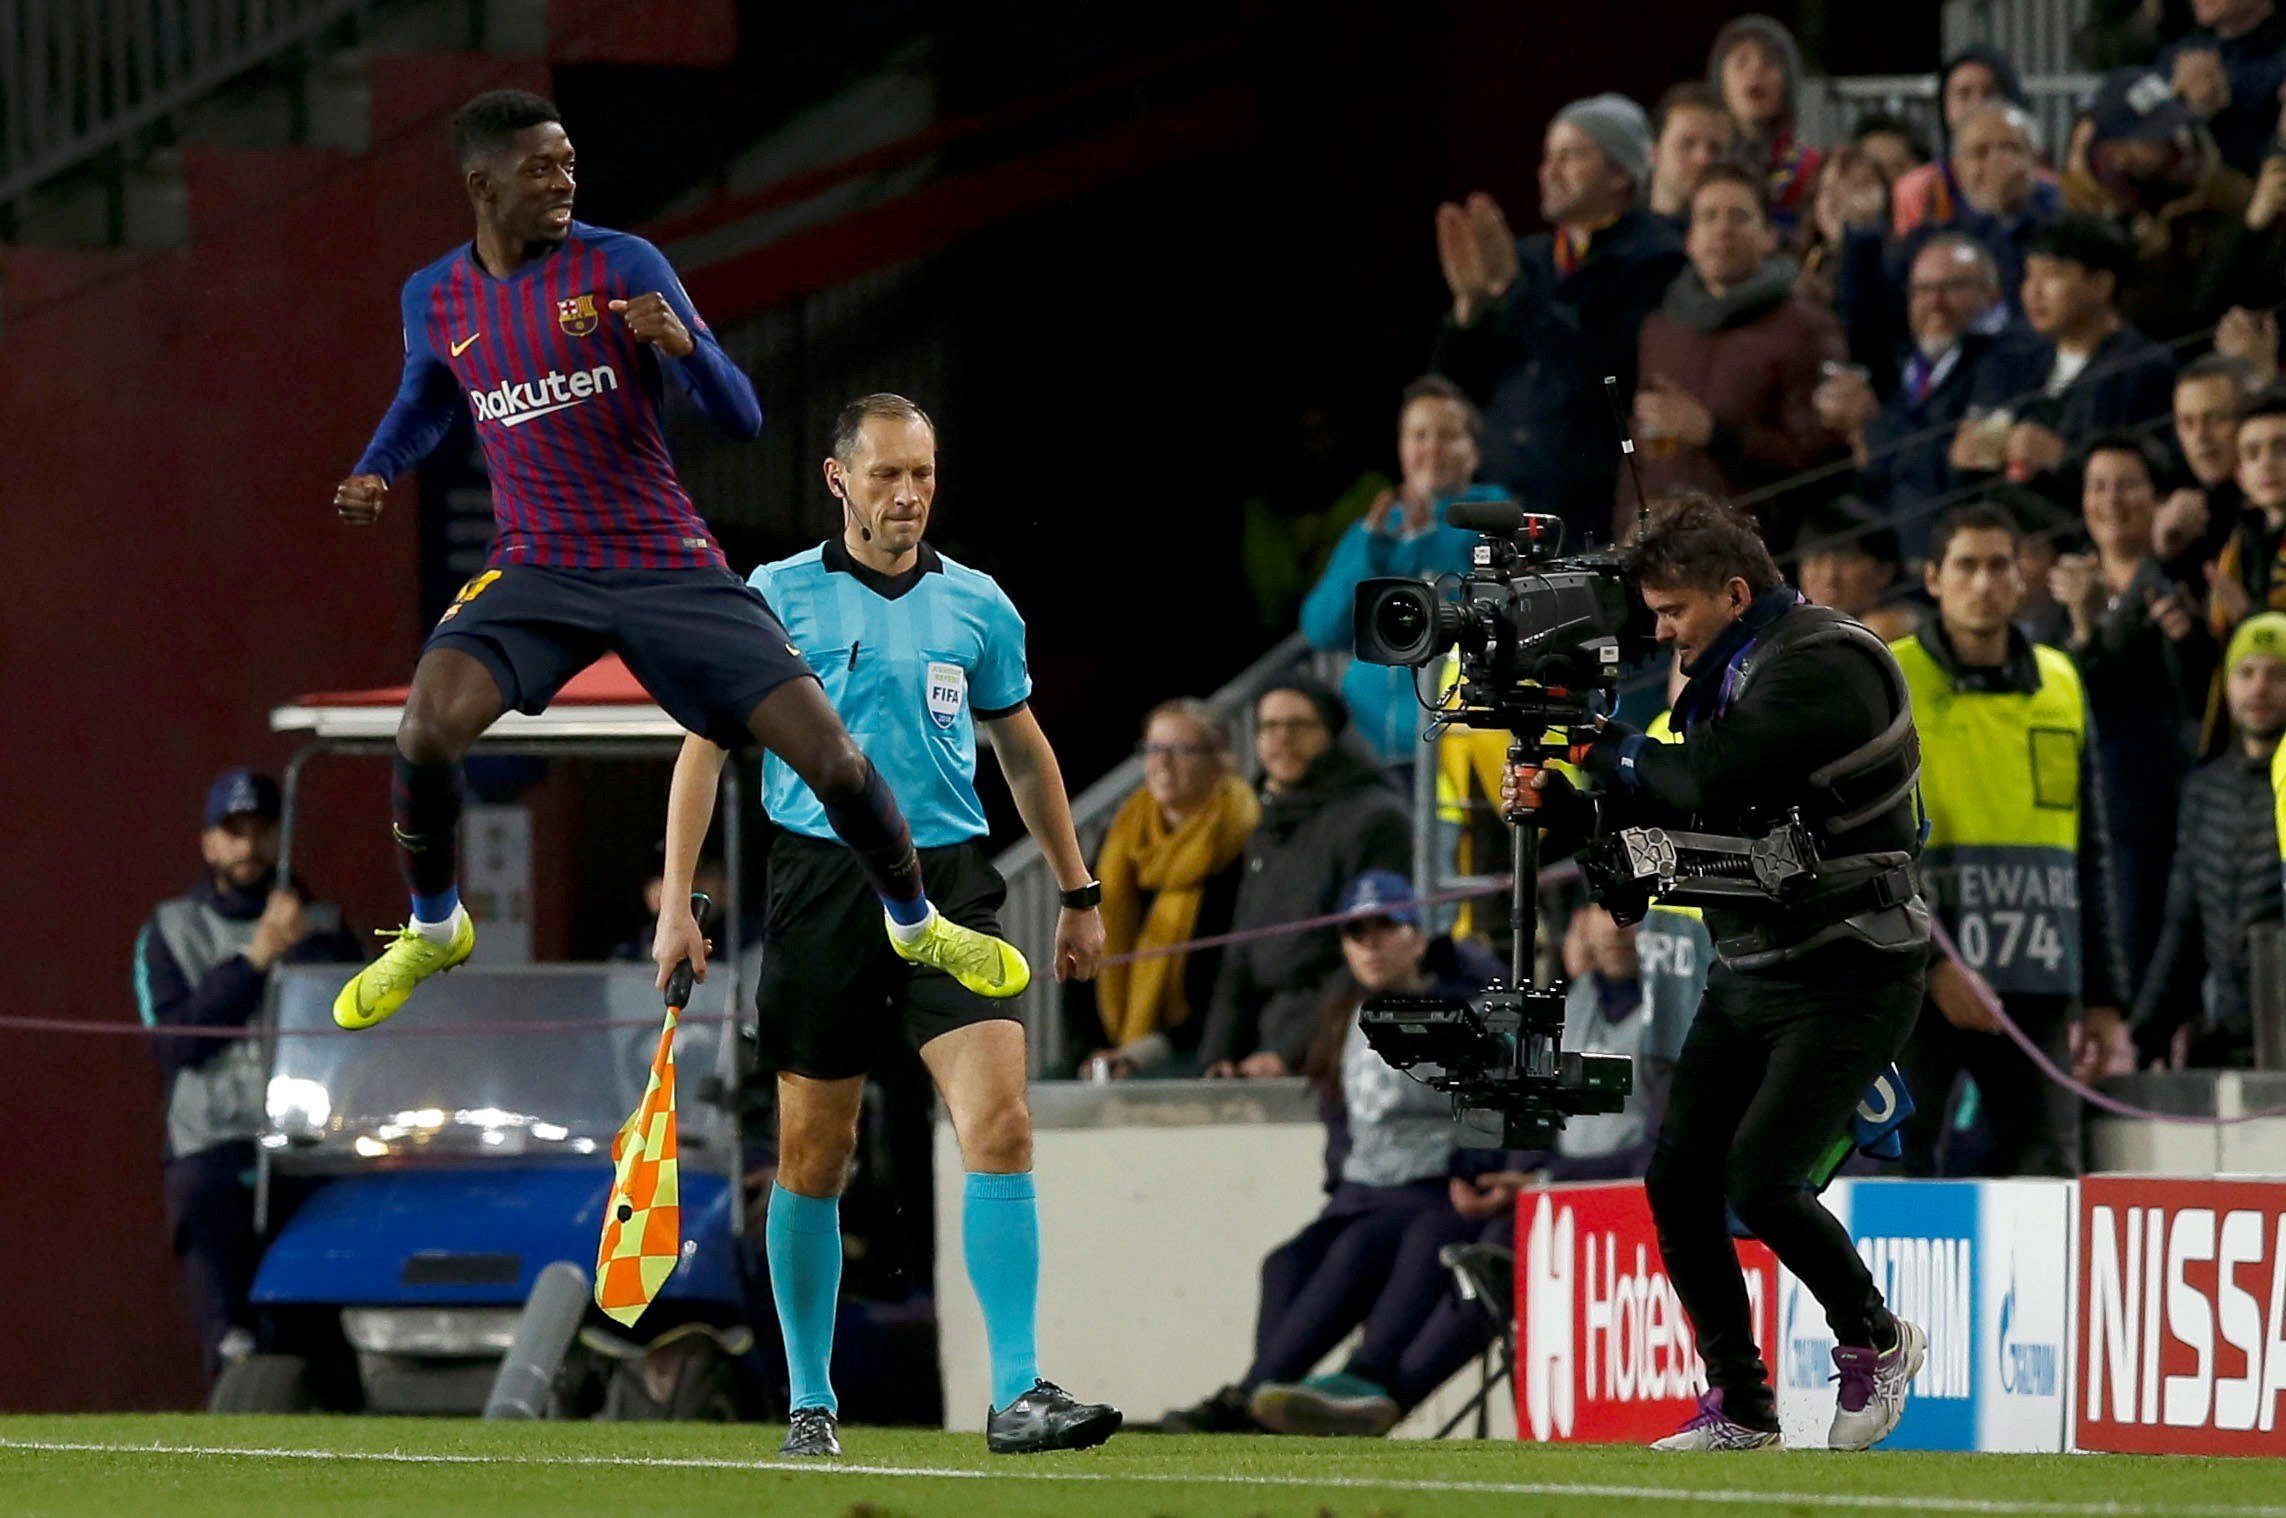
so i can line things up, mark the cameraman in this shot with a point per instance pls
(1788, 706)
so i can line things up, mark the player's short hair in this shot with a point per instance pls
(1435, 387)
(491, 121)
(1972, 516)
(1728, 171)
(1691, 541)
(849, 427)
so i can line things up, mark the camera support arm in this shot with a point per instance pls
(1711, 869)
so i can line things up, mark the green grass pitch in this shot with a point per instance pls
(170, 1466)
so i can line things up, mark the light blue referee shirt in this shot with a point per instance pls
(910, 661)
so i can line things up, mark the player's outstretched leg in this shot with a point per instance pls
(453, 700)
(817, 1133)
(1874, 1383)
(980, 1070)
(799, 725)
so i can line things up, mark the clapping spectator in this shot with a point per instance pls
(2145, 660)
(1974, 78)
(2088, 372)
(2196, 519)
(1392, 1157)
(2230, 71)
(1403, 533)
(1170, 867)
(1757, 66)
(2248, 577)
(2225, 879)
(1327, 817)
(2153, 170)
(1694, 133)
(1956, 320)
(1536, 325)
(1731, 359)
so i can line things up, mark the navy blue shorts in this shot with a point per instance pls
(703, 642)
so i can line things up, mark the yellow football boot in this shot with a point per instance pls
(987, 966)
(379, 989)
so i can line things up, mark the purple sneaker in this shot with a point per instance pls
(1871, 1397)
(1711, 1428)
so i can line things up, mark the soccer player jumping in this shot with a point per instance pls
(560, 336)
(919, 652)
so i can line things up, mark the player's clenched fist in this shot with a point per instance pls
(358, 500)
(653, 321)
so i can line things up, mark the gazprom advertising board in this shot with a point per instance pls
(1984, 1268)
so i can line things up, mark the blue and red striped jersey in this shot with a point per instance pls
(567, 404)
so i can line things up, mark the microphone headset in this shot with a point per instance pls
(833, 483)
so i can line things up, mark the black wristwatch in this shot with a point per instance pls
(1085, 898)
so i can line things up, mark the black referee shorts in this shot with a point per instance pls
(834, 999)
(703, 642)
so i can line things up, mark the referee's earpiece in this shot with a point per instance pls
(834, 484)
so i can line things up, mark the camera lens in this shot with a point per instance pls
(1404, 621)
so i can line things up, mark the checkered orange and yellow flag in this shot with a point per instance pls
(643, 1216)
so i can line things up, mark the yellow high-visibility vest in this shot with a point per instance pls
(2000, 785)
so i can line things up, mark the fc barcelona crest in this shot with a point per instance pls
(576, 315)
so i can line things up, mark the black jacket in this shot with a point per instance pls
(1343, 820)
(1535, 364)
(2129, 380)
(227, 992)
(1909, 442)
(2225, 879)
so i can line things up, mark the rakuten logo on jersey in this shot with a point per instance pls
(2182, 1323)
(1604, 1350)
(512, 405)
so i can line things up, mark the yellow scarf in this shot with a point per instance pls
(1141, 854)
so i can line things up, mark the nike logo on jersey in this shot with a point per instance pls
(512, 405)
(462, 346)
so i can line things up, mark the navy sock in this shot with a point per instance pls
(869, 821)
(424, 804)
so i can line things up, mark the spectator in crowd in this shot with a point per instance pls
(1694, 133)
(1288, 525)
(2145, 661)
(2152, 170)
(1891, 142)
(2247, 576)
(2225, 879)
(2088, 372)
(1975, 77)
(2010, 794)
(2195, 519)
(203, 962)
(2250, 278)
(2230, 72)
(1852, 199)
(1730, 360)
(1419, 1333)
(1758, 68)
(1170, 867)
(2047, 532)
(1850, 562)
(1402, 533)
(1392, 1155)
(1536, 325)
(1327, 817)
(708, 879)
(1956, 320)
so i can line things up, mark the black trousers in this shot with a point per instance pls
(210, 1208)
(1767, 1079)
(2032, 1123)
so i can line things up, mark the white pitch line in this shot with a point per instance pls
(1856, 1502)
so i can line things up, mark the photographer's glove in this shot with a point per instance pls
(1545, 798)
(1611, 757)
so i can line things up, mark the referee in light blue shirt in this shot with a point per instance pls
(914, 651)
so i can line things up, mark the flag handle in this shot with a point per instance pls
(679, 983)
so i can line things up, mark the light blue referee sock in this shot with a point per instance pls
(803, 1237)
(1000, 1233)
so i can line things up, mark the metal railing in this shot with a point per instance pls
(1030, 914)
(1830, 107)
(2038, 35)
(78, 77)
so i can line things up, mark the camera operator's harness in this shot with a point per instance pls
(1868, 896)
